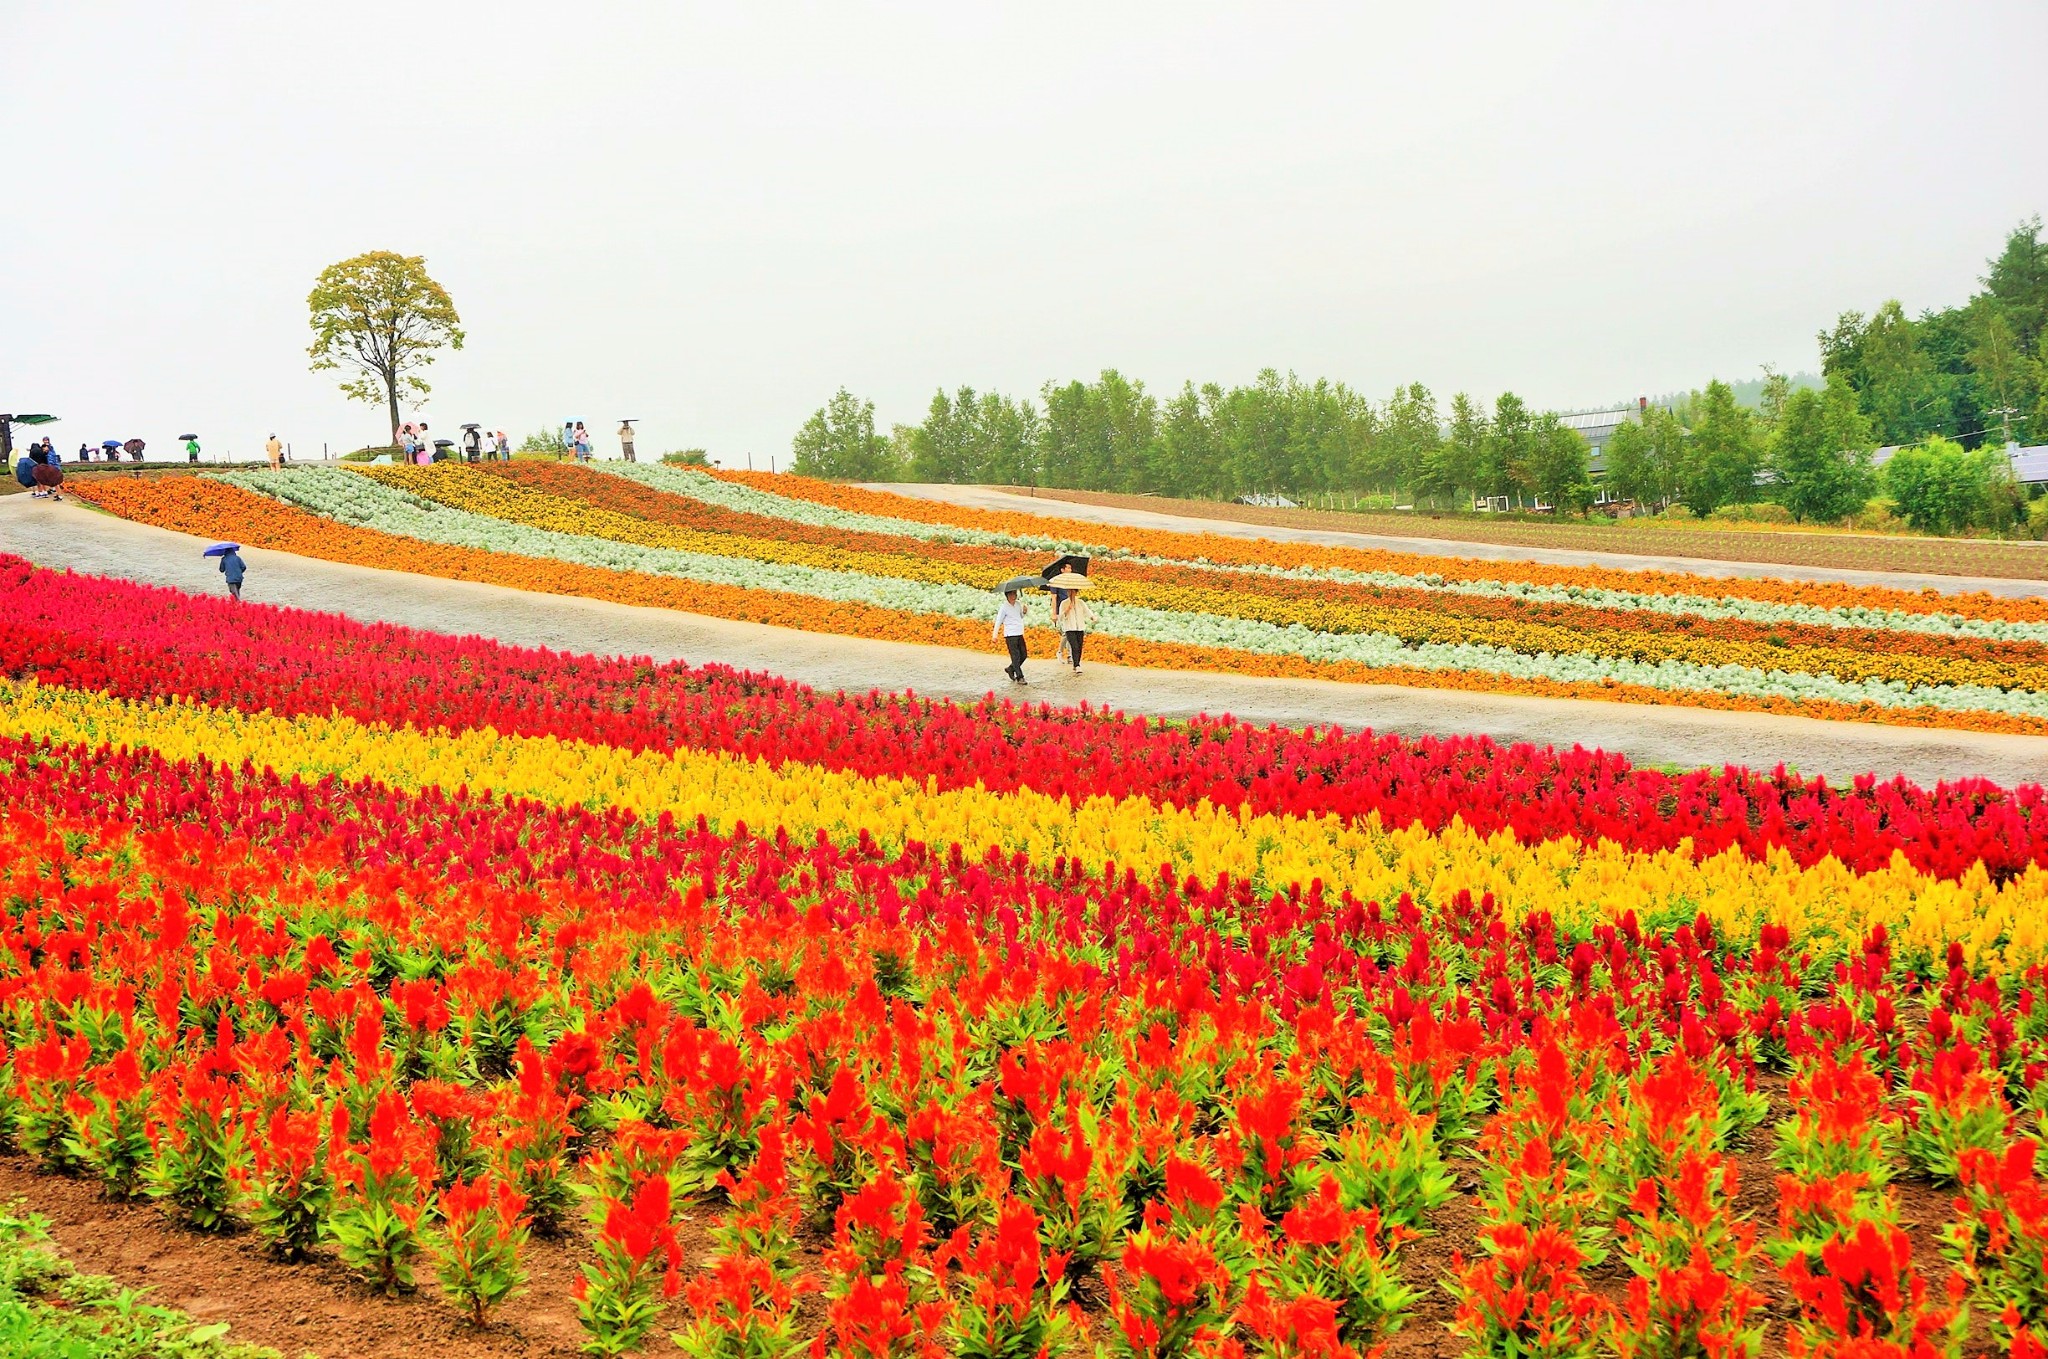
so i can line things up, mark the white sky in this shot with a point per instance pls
(709, 217)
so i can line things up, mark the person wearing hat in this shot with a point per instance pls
(276, 452)
(1009, 626)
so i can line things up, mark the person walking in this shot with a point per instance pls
(192, 450)
(1073, 618)
(276, 452)
(472, 444)
(568, 439)
(626, 438)
(504, 447)
(1009, 626)
(233, 568)
(582, 443)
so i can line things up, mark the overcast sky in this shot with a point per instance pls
(709, 217)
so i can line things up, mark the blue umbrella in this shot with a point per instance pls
(221, 549)
(110, 443)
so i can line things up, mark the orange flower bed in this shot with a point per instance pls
(210, 508)
(1234, 551)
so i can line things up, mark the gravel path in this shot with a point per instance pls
(987, 498)
(69, 535)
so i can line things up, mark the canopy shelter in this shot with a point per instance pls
(7, 424)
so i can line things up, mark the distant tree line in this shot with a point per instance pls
(1963, 376)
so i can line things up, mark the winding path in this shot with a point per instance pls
(68, 535)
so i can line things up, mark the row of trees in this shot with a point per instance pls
(1281, 434)
(1887, 380)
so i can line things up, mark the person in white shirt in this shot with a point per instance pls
(1009, 626)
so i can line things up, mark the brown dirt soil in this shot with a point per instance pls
(1842, 551)
(317, 1308)
(298, 1309)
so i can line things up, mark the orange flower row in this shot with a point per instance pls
(210, 508)
(1229, 550)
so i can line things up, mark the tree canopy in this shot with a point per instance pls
(839, 441)
(382, 317)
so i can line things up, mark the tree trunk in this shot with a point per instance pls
(391, 396)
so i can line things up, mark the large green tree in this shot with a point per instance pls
(1630, 462)
(383, 318)
(839, 442)
(2017, 283)
(1504, 465)
(1557, 466)
(948, 445)
(1723, 454)
(1820, 453)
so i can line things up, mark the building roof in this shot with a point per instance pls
(1587, 420)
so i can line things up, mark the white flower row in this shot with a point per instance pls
(361, 500)
(746, 499)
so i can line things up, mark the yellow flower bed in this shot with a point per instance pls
(1576, 883)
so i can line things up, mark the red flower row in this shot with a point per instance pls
(140, 642)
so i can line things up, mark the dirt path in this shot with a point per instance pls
(69, 535)
(1051, 503)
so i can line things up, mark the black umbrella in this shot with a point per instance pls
(1078, 565)
(444, 443)
(472, 425)
(188, 438)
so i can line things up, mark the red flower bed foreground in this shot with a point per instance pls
(139, 642)
(984, 1107)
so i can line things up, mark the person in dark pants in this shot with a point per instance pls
(232, 567)
(1009, 626)
(1073, 619)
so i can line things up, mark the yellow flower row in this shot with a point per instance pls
(1577, 884)
(499, 498)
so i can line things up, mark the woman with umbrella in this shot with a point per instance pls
(1071, 614)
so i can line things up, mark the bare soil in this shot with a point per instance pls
(311, 1308)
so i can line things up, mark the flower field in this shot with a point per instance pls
(999, 1030)
(830, 558)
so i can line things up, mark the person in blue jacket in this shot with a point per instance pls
(232, 566)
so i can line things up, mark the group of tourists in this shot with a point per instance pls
(477, 444)
(1071, 619)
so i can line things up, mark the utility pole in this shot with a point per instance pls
(2005, 415)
